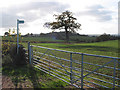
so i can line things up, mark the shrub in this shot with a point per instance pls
(105, 37)
(5, 48)
(7, 60)
(18, 59)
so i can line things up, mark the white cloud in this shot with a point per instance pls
(20, 14)
(8, 3)
(96, 16)
(29, 11)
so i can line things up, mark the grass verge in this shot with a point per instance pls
(29, 77)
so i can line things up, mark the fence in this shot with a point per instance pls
(78, 69)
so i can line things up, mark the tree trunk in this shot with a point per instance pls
(67, 35)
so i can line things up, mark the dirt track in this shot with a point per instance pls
(7, 82)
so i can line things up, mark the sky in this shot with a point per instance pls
(95, 16)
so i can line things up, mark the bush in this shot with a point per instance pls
(7, 60)
(106, 37)
(5, 48)
(18, 59)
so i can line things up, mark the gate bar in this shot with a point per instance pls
(82, 72)
(114, 74)
(71, 77)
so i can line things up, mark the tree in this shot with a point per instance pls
(31, 34)
(28, 34)
(104, 37)
(64, 21)
(6, 34)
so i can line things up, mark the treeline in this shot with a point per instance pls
(76, 37)
(106, 37)
(60, 37)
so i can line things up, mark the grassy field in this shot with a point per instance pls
(32, 39)
(52, 39)
(41, 39)
(29, 77)
(107, 48)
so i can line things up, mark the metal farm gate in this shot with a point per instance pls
(78, 69)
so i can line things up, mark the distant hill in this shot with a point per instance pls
(75, 37)
(61, 37)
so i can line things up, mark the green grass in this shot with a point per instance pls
(51, 39)
(107, 48)
(40, 39)
(33, 39)
(31, 77)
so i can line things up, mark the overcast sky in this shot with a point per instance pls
(95, 16)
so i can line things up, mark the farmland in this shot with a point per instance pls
(106, 48)
(59, 45)
(53, 37)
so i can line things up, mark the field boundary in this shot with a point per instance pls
(68, 73)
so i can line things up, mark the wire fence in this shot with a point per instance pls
(78, 69)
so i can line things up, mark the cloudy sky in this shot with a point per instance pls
(95, 16)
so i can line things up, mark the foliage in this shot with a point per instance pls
(6, 34)
(7, 60)
(64, 21)
(11, 36)
(5, 48)
(9, 50)
(10, 56)
(20, 58)
(36, 78)
(57, 37)
(105, 37)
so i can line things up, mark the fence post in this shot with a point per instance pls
(82, 72)
(29, 52)
(114, 74)
(71, 77)
(49, 61)
(31, 47)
